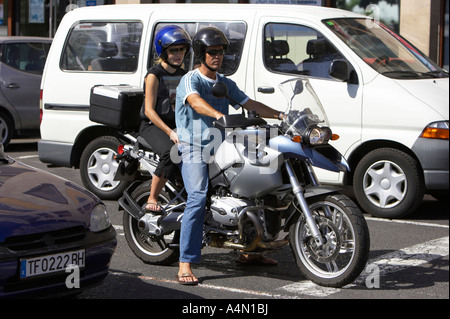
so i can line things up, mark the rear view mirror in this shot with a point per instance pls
(339, 70)
(219, 89)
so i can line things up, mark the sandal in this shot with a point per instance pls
(150, 205)
(187, 283)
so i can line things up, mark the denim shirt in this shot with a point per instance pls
(192, 127)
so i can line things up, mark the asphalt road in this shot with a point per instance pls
(409, 259)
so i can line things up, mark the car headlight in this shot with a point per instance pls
(316, 135)
(436, 130)
(99, 218)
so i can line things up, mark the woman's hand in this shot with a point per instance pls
(174, 137)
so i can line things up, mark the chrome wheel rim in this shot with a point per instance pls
(385, 184)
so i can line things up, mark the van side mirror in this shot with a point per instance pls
(339, 70)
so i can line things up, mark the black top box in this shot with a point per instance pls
(116, 106)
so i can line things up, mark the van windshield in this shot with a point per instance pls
(382, 49)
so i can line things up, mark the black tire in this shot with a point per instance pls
(388, 183)
(347, 242)
(151, 250)
(6, 129)
(98, 168)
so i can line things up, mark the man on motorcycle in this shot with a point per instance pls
(195, 113)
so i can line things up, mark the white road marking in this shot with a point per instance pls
(402, 259)
(215, 287)
(401, 221)
(25, 157)
(389, 263)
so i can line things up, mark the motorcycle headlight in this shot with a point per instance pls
(99, 219)
(316, 135)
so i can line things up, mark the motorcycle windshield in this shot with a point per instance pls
(303, 106)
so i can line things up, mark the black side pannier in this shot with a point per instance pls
(117, 106)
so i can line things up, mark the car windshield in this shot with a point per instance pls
(384, 50)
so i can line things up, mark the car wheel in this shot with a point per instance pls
(5, 129)
(388, 183)
(98, 168)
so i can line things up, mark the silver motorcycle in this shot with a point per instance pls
(262, 187)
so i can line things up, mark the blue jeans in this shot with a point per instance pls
(194, 170)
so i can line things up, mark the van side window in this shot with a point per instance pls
(234, 31)
(297, 49)
(29, 57)
(102, 46)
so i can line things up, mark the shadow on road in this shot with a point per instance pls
(132, 287)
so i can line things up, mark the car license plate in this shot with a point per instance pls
(51, 263)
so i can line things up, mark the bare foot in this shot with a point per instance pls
(153, 206)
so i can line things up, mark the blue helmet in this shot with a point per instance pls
(171, 35)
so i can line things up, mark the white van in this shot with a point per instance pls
(388, 102)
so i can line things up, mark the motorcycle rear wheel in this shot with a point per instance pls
(346, 249)
(150, 249)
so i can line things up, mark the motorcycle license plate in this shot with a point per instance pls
(49, 264)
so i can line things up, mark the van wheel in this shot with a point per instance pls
(5, 129)
(98, 168)
(388, 183)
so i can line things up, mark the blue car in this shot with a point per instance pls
(55, 237)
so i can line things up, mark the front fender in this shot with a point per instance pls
(310, 192)
(321, 156)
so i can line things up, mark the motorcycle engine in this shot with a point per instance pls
(225, 210)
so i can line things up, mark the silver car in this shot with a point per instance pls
(22, 60)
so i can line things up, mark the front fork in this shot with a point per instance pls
(298, 192)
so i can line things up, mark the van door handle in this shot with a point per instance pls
(12, 86)
(266, 89)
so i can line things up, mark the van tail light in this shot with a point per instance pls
(120, 153)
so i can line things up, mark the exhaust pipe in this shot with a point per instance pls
(257, 242)
(259, 234)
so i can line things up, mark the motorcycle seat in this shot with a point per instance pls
(143, 143)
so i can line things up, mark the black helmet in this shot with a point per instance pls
(208, 37)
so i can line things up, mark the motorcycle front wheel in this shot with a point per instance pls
(345, 251)
(156, 250)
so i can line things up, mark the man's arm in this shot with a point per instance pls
(202, 107)
(262, 109)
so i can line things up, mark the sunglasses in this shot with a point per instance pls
(176, 50)
(213, 52)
